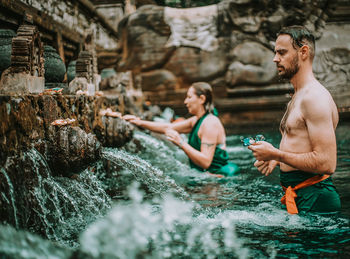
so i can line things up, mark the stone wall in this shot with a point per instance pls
(69, 13)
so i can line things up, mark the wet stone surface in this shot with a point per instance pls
(26, 123)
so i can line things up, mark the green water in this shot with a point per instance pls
(143, 201)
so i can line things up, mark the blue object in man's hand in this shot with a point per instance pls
(248, 141)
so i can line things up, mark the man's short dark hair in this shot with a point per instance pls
(300, 36)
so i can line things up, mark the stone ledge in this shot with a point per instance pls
(26, 120)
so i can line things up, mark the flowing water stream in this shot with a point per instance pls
(143, 201)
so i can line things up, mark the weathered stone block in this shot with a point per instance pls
(21, 83)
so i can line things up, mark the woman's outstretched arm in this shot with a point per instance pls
(184, 126)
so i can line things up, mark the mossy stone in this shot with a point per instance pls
(5, 48)
(107, 72)
(54, 66)
(71, 71)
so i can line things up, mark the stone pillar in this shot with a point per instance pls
(26, 73)
(90, 46)
(83, 75)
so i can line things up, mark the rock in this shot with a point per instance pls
(158, 80)
(113, 132)
(252, 65)
(20, 83)
(144, 29)
(78, 83)
(191, 65)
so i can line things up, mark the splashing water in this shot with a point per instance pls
(159, 231)
(62, 207)
(156, 181)
(12, 196)
(21, 244)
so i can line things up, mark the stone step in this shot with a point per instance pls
(255, 103)
(260, 90)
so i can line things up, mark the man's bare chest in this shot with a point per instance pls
(293, 119)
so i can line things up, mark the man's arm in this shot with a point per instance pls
(322, 159)
(317, 111)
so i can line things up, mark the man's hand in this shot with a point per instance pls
(264, 151)
(265, 168)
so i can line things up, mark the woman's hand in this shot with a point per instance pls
(174, 137)
(132, 119)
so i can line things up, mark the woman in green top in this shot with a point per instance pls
(207, 139)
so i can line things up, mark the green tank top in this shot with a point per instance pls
(220, 156)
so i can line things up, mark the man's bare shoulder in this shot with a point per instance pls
(317, 101)
(315, 92)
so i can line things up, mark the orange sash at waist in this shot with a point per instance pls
(289, 197)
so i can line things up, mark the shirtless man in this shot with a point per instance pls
(308, 151)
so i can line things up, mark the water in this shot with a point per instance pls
(143, 201)
(13, 205)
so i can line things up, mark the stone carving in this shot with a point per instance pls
(90, 46)
(113, 132)
(71, 149)
(193, 27)
(252, 64)
(143, 30)
(159, 80)
(84, 66)
(333, 68)
(27, 52)
(83, 73)
(26, 122)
